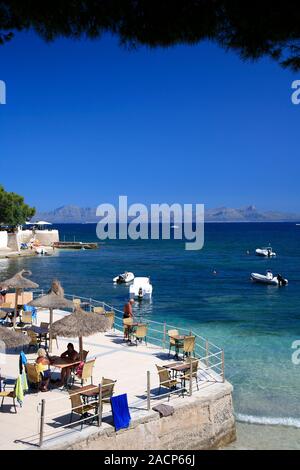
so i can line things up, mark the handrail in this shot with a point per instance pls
(160, 336)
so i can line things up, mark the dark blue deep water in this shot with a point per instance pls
(255, 324)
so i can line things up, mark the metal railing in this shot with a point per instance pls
(204, 350)
(98, 400)
(209, 356)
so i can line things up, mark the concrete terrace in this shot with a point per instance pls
(115, 359)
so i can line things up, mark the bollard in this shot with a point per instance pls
(148, 391)
(100, 406)
(42, 422)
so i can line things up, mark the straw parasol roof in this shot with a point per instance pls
(53, 300)
(80, 324)
(13, 339)
(18, 281)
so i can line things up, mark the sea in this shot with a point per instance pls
(209, 291)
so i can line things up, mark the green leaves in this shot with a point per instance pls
(13, 210)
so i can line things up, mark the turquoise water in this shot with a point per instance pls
(255, 324)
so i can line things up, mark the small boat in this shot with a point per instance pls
(141, 288)
(268, 278)
(41, 250)
(123, 278)
(266, 252)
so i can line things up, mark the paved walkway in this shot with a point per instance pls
(115, 359)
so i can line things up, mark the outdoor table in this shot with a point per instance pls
(130, 329)
(181, 368)
(61, 363)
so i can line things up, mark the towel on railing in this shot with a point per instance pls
(163, 410)
(120, 411)
(19, 390)
(24, 381)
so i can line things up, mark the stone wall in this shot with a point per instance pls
(203, 421)
(3, 239)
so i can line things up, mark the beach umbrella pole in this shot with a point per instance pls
(80, 348)
(16, 307)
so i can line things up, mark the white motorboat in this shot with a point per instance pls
(124, 278)
(141, 288)
(40, 250)
(268, 278)
(266, 252)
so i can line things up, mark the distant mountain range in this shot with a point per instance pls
(75, 214)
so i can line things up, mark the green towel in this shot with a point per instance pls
(19, 390)
(24, 381)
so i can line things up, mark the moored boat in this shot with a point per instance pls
(266, 252)
(124, 278)
(269, 279)
(141, 288)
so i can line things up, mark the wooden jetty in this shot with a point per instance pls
(75, 245)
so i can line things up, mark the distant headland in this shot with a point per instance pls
(76, 214)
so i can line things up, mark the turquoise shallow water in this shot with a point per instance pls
(255, 324)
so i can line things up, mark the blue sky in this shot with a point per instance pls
(86, 121)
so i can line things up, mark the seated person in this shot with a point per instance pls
(44, 368)
(72, 355)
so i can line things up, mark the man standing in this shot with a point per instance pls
(127, 314)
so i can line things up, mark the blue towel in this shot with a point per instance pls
(120, 411)
(22, 361)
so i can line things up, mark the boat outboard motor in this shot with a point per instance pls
(281, 280)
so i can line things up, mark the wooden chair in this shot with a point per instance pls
(34, 343)
(5, 305)
(111, 318)
(141, 333)
(78, 407)
(165, 380)
(99, 310)
(84, 355)
(195, 365)
(26, 317)
(173, 343)
(188, 345)
(33, 375)
(108, 389)
(9, 394)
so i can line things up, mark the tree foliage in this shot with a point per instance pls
(13, 210)
(253, 28)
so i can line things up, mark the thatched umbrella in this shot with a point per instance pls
(13, 339)
(19, 282)
(80, 324)
(53, 300)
